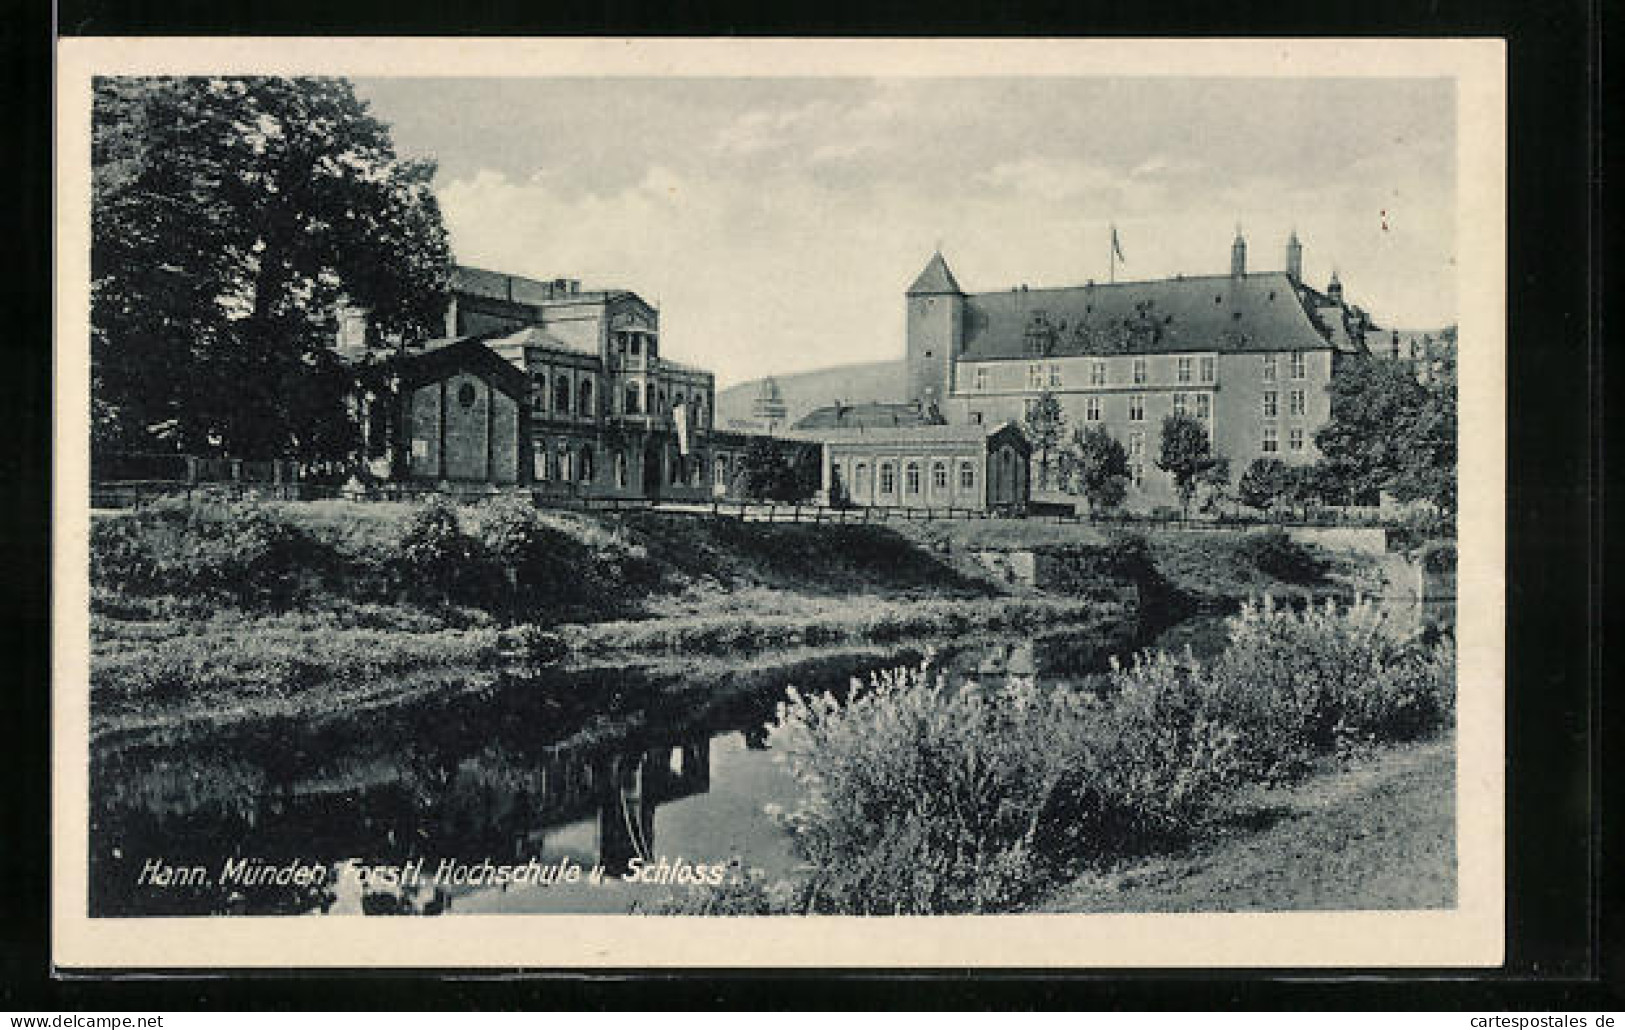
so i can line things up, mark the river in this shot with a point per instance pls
(563, 782)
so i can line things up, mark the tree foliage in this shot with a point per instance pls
(1045, 426)
(1187, 455)
(774, 470)
(1264, 484)
(1098, 469)
(1389, 432)
(229, 219)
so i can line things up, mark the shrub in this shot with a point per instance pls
(243, 552)
(923, 798)
(434, 556)
(1274, 553)
(1297, 684)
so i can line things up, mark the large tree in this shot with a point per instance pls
(1389, 432)
(230, 217)
(1098, 469)
(1045, 424)
(1187, 455)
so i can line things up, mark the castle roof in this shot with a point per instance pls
(519, 289)
(921, 434)
(867, 416)
(1261, 311)
(936, 278)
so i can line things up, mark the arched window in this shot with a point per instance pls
(939, 476)
(620, 469)
(911, 478)
(634, 398)
(543, 463)
(586, 461)
(888, 478)
(566, 467)
(721, 472)
(584, 398)
(561, 394)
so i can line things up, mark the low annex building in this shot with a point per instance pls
(978, 467)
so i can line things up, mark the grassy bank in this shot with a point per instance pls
(1378, 833)
(219, 606)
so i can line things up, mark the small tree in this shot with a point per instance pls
(773, 471)
(1045, 424)
(1187, 455)
(1264, 483)
(1098, 467)
(1215, 482)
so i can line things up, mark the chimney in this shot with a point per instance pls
(1294, 257)
(1334, 289)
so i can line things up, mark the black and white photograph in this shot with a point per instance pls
(718, 504)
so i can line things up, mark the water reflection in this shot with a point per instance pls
(545, 770)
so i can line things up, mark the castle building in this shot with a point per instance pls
(1249, 354)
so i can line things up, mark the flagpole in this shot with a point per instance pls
(1111, 254)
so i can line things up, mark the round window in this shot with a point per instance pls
(465, 395)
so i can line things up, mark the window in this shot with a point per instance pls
(1184, 370)
(1296, 400)
(1204, 406)
(1097, 373)
(1139, 371)
(1028, 407)
(888, 478)
(543, 463)
(1207, 369)
(1294, 440)
(1091, 410)
(967, 476)
(561, 394)
(1035, 376)
(620, 469)
(1055, 375)
(1298, 370)
(1271, 443)
(1179, 403)
(566, 465)
(634, 398)
(719, 475)
(584, 398)
(1136, 407)
(538, 391)
(911, 478)
(1137, 473)
(586, 464)
(976, 418)
(637, 344)
(939, 476)
(1271, 403)
(1269, 368)
(1136, 446)
(860, 479)
(981, 379)
(695, 470)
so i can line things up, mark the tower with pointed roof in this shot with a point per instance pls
(1238, 254)
(936, 327)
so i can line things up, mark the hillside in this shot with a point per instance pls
(804, 391)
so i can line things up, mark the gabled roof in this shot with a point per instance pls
(1256, 312)
(936, 278)
(440, 358)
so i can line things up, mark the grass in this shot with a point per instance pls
(1378, 833)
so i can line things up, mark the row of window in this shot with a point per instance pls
(1198, 405)
(1187, 369)
(1271, 444)
(635, 399)
(1297, 400)
(571, 464)
(912, 471)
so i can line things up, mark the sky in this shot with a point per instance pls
(777, 222)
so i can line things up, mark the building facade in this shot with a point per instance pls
(980, 467)
(1249, 354)
(577, 396)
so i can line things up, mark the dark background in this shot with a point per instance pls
(1557, 771)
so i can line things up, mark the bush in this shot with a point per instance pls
(241, 552)
(434, 557)
(1298, 684)
(1274, 553)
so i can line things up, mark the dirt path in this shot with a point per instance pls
(1379, 834)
